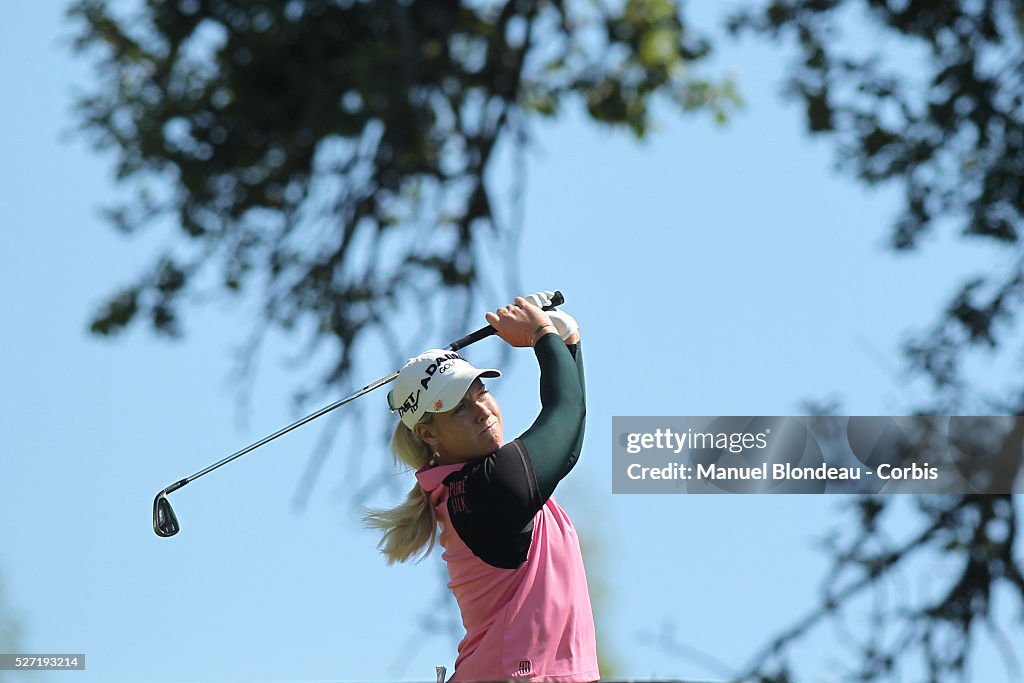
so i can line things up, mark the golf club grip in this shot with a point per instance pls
(486, 331)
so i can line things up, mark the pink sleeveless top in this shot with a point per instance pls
(534, 622)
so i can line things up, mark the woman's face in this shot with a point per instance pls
(469, 431)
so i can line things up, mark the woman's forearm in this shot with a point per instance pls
(553, 441)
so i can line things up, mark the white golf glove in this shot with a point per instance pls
(564, 323)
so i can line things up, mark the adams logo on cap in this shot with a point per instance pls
(443, 363)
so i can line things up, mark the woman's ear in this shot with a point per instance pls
(427, 434)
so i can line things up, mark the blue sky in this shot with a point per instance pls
(713, 270)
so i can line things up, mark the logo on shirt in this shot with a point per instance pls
(457, 501)
(525, 666)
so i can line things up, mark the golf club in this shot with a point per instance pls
(165, 522)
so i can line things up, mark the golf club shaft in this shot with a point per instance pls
(281, 432)
(556, 300)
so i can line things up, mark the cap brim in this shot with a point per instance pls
(455, 389)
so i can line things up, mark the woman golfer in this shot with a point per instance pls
(513, 555)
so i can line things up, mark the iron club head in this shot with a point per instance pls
(165, 523)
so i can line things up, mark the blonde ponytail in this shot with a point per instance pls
(411, 527)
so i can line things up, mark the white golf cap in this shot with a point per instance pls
(434, 381)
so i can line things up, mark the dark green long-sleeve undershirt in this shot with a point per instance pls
(554, 440)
